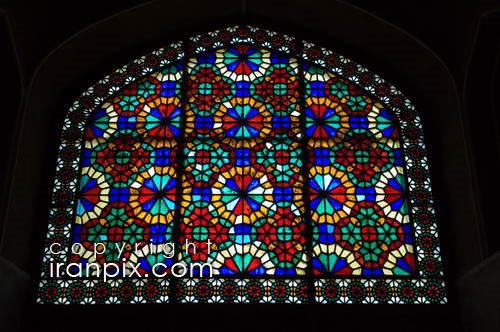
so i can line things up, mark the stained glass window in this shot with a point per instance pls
(297, 175)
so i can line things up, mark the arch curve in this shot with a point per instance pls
(158, 87)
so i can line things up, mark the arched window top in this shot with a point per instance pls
(306, 171)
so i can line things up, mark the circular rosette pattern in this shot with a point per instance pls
(243, 118)
(153, 195)
(325, 119)
(330, 190)
(242, 195)
(163, 119)
(242, 62)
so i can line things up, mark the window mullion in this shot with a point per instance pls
(305, 176)
(174, 283)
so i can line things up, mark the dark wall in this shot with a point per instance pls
(481, 100)
(448, 27)
(12, 96)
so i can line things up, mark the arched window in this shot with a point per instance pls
(290, 172)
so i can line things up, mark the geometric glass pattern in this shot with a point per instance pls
(306, 171)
